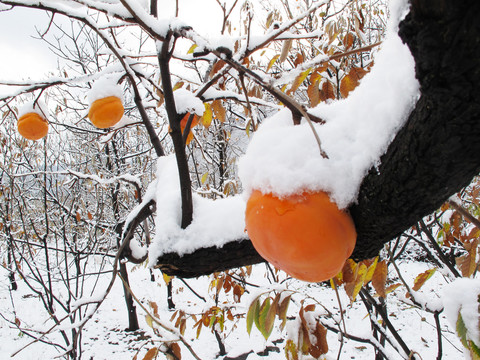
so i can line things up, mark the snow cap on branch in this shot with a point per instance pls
(186, 101)
(104, 87)
(215, 222)
(37, 106)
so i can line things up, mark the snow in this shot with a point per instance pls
(159, 26)
(104, 87)
(38, 106)
(104, 336)
(138, 250)
(461, 297)
(284, 159)
(215, 222)
(186, 101)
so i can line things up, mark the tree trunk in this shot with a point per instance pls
(433, 156)
(437, 152)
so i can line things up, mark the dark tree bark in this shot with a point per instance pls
(437, 152)
(432, 157)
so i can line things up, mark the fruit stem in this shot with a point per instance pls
(317, 138)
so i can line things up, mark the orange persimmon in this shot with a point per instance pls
(183, 122)
(305, 235)
(32, 126)
(106, 112)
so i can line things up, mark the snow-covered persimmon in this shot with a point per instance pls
(106, 112)
(32, 126)
(305, 235)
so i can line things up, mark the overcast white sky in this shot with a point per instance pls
(22, 55)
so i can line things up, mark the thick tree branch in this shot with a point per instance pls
(164, 56)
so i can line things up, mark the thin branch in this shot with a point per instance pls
(159, 323)
(437, 248)
(464, 213)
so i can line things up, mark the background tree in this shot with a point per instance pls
(187, 95)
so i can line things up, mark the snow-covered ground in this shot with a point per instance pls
(104, 336)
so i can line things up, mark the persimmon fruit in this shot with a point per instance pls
(183, 122)
(32, 126)
(106, 112)
(305, 235)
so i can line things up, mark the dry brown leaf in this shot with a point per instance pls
(348, 271)
(392, 287)
(327, 91)
(320, 346)
(351, 80)
(219, 110)
(217, 67)
(313, 94)
(379, 279)
(176, 351)
(153, 352)
(348, 40)
(287, 45)
(298, 59)
(467, 263)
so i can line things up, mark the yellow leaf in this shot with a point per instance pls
(370, 271)
(178, 85)
(166, 278)
(252, 315)
(149, 320)
(360, 278)
(206, 119)
(272, 61)
(422, 278)
(299, 80)
(204, 177)
(247, 127)
(192, 49)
